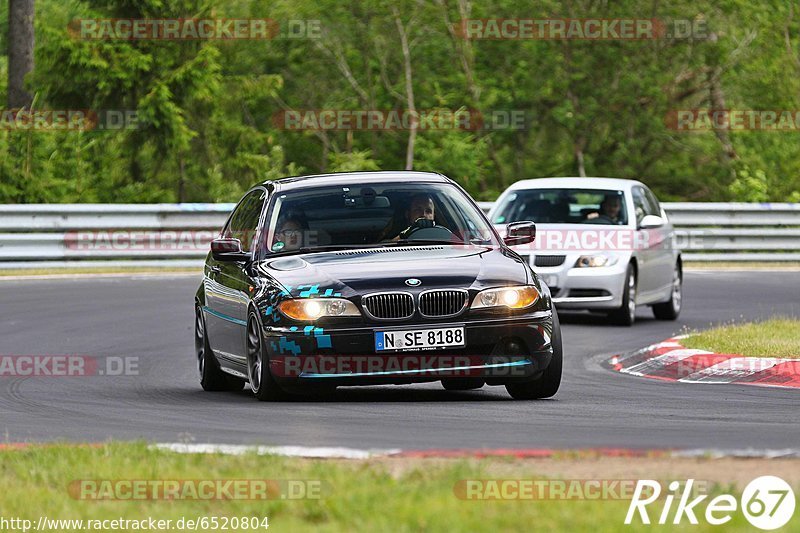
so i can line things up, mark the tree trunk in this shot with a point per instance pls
(181, 180)
(466, 56)
(412, 108)
(20, 51)
(579, 158)
(717, 98)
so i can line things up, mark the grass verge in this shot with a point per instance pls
(776, 337)
(376, 495)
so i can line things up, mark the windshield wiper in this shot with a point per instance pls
(428, 242)
(415, 242)
(321, 248)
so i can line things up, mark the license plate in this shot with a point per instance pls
(419, 339)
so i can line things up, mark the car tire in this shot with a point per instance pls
(671, 309)
(548, 383)
(212, 378)
(626, 314)
(263, 385)
(456, 384)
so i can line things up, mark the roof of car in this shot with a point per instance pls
(576, 183)
(354, 178)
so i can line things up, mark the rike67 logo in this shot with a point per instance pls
(767, 502)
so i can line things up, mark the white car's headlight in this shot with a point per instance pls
(314, 308)
(509, 297)
(597, 260)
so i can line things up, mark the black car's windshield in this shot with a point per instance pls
(374, 214)
(563, 206)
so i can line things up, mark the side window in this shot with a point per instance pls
(244, 221)
(639, 204)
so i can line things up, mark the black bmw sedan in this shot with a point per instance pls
(370, 278)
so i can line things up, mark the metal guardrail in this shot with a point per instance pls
(53, 217)
(735, 231)
(729, 232)
(55, 235)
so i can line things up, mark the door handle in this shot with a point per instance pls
(216, 269)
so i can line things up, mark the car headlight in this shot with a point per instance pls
(509, 297)
(597, 260)
(314, 308)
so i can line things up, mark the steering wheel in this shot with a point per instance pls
(606, 219)
(425, 229)
(602, 218)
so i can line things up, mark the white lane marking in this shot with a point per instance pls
(319, 452)
(732, 369)
(753, 453)
(663, 344)
(660, 361)
(83, 276)
(740, 269)
(353, 453)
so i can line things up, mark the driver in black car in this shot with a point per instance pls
(421, 213)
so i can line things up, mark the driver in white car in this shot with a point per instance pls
(610, 210)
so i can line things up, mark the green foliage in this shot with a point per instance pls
(750, 186)
(461, 157)
(351, 161)
(207, 110)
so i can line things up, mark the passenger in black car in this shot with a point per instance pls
(290, 234)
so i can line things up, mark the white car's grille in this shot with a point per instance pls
(549, 260)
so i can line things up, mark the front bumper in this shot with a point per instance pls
(584, 288)
(498, 350)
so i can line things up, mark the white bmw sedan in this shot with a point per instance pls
(602, 244)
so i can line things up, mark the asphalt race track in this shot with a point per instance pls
(152, 318)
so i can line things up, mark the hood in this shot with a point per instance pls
(360, 271)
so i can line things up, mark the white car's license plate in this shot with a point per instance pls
(419, 339)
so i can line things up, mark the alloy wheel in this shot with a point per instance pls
(254, 355)
(632, 295)
(676, 289)
(200, 340)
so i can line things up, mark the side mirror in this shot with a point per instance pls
(518, 233)
(651, 221)
(228, 250)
